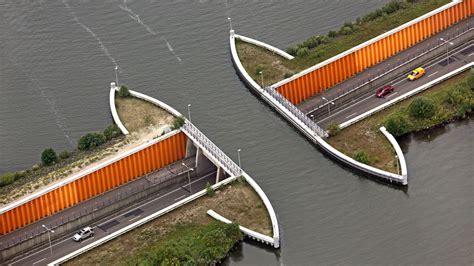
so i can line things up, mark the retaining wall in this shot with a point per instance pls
(340, 67)
(96, 180)
(308, 132)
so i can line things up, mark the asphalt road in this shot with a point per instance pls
(310, 104)
(165, 197)
(402, 86)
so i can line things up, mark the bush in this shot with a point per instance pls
(397, 125)
(302, 51)
(6, 179)
(124, 91)
(392, 7)
(178, 123)
(19, 175)
(333, 128)
(292, 50)
(287, 75)
(91, 140)
(470, 79)
(312, 42)
(346, 30)
(64, 154)
(422, 108)
(112, 131)
(457, 96)
(209, 190)
(48, 157)
(332, 34)
(361, 157)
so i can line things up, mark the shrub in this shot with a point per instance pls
(348, 24)
(178, 122)
(323, 39)
(65, 154)
(19, 175)
(48, 157)
(124, 91)
(346, 30)
(312, 42)
(6, 179)
(332, 34)
(422, 108)
(470, 79)
(333, 128)
(287, 75)
(361, 157)
(397, 124)
(457, 96)
(302, 51)
(292, 50)
(112, 131)
(209, 190)
(91, 140)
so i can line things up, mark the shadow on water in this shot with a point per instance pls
(237, 252)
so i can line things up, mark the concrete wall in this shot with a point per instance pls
(338, 68)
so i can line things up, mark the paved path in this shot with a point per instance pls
(66, 245)
(362, 77)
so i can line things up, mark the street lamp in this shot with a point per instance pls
(230, 22)
(189, 177)
(238, 155)
(328, 102)
(261, 74)
(189, 112)
(312, 117)
(49, 237)
(447, 48)
(116, 77)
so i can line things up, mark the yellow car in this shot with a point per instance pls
(417, 73)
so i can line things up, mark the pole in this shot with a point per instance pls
(116, 77)
(238, 155)
(261, 75)
(189, 177)
(230, 22)
(189, 112)
(49, 238)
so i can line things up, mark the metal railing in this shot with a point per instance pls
(338, 94)
(296, 112)
(197, 136)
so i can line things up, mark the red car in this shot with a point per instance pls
(384, 91)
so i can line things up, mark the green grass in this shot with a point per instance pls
(277, 68)
(191, 244)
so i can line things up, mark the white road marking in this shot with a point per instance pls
(327, 117)
(351, 115)
(390, 95)
(398, 82)
(433, 74)
(470, 54)
(38, 261)
(134, 218)
(87, 239)
(178, 198)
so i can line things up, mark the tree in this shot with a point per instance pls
(111, 132)
(48, 157)
(178, 122)
(397, 124)
(124, 91)
(422, 108)
(333, 128)
(90, 140)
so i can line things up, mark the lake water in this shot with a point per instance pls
(56, 63)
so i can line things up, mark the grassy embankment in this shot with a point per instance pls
(453, 99)
(319, 48)
(186, 234)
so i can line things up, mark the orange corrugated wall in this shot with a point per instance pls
(331, 74)
(137, 164)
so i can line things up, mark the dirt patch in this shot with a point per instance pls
(237, 202)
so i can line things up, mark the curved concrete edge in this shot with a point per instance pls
(113, 109)
(255, 235)
(406, 95)
(400, 157)
(140, 222)
(367, 43)
(266, 46)
(387, 176)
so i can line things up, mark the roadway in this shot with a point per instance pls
(435, 71)
(165, 197)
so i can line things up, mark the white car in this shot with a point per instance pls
(83, 234)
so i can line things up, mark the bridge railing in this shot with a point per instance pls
(197, 136)
(296, 111)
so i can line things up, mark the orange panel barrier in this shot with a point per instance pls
(326, 76)
(110, 176)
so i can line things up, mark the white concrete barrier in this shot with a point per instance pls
(255, 235)
(113, 109)
(309, 133)
(400, 157)
(265, 46)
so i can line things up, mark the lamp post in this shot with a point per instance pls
(49, 237)
(312, 117)
(261, 75)
(328, 102)
(116, 76)
(230, 22)
(189, 177)
(447, 48)
(238, 156)
(189, 112)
